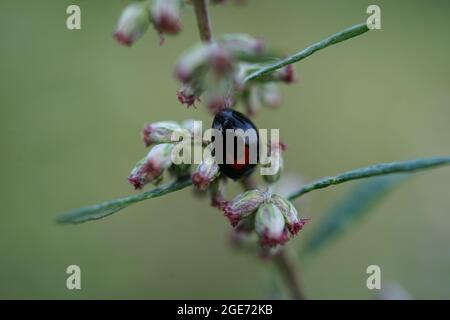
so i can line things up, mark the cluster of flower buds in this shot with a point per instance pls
(274, 217)
(216, 71)
(136, 18)
(159, 158)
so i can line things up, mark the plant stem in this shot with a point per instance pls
(348, 33)
(286, 268)
(107, 208)
(289, 274)
(281, 260)
(201, 13)
(372, 171)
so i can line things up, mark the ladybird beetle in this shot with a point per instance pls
(239, 163)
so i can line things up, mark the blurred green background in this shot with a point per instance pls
(73, 103)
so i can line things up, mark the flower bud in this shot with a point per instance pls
(286, 74)
(243, 205)
(166, 16)
(207, 171)
(270, 225)
(159, 132)
(218, 94)
(242, 46)
(192, 62)
(132, 24)
(150, 168)
(220, 60)
(188, 95)
(293, 222)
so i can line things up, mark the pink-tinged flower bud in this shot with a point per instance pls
(270, 225)
(150, 168)
(242, 46)
(192, 62)
(286, 74)
(220, 60)
(188, 95)
(159, 132)
(132, 24)
(207, 171)
(166, 16)
(293, 222)
(243, 205)
(218, 94)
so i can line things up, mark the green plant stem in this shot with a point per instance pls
(287, 269)
(107, 208)
(372, 171)
(290, 274)
(343, 35)
(201, 13)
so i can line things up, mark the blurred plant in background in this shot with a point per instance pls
(222, 73)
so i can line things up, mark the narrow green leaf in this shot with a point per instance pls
(371, 171)
(352, 207)
(343, 35)
(107, 208)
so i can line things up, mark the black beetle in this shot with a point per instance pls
(239, 163)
